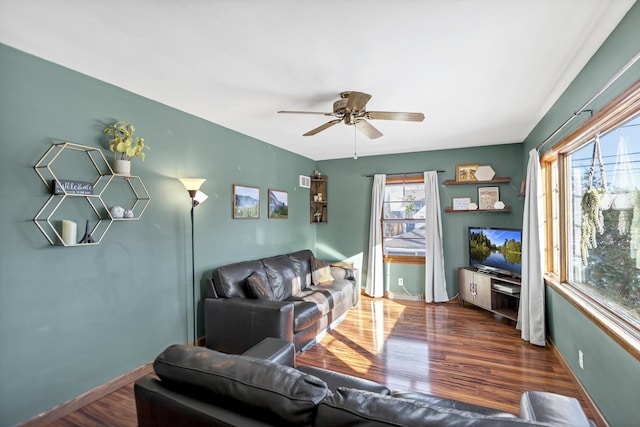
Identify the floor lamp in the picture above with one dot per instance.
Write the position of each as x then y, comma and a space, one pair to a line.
193, 188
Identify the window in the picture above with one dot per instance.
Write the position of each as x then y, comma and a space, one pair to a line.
601, 279
403, 216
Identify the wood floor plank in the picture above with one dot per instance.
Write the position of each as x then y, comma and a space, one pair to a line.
462, 353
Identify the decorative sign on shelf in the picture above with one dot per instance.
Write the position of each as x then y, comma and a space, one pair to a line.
63, 186
461, 203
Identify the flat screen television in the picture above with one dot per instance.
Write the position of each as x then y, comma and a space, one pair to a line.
496, 250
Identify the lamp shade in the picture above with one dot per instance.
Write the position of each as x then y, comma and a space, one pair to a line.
200, 197
192, 184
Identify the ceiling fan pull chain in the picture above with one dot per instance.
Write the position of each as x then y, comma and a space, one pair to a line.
355, 146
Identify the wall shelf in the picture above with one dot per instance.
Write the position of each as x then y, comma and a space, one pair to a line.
500, 180
45, 218
319, 186
451, 210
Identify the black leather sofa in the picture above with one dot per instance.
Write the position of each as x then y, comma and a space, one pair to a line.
297, 307
198, 387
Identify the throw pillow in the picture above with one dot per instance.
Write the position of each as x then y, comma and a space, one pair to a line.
320, 272
258, 288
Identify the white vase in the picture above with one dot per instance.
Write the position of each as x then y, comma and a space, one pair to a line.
122, 167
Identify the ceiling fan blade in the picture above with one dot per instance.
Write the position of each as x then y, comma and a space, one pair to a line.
305, 112
357, 100
323, 127
390, 115
366, 128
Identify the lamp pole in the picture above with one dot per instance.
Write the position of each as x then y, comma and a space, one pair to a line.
193, 268
192, 186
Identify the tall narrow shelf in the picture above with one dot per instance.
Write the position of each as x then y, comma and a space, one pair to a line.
318, 198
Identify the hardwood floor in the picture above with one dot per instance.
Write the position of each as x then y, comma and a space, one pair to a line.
463, 353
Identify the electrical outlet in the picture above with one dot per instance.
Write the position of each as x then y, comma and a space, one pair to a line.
581, 359
401, 282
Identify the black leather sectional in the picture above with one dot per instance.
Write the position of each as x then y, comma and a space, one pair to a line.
198, 387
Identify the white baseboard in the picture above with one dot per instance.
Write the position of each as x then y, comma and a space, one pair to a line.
404, 296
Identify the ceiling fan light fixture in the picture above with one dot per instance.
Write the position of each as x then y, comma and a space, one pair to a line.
351, 109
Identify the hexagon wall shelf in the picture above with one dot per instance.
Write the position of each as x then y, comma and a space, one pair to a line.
45, 218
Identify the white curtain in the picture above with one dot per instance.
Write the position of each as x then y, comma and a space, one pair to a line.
375, 272
435, 282
531, 319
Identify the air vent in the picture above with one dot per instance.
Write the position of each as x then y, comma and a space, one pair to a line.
305, 181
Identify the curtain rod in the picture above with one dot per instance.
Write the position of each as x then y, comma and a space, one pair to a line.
404, 173
584, 107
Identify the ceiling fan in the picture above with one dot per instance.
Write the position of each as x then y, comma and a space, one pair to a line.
350, 109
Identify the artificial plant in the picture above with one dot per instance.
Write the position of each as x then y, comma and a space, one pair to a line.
122, 141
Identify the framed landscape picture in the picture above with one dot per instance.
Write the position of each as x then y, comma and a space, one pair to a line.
467, 172
246, 202
278, 204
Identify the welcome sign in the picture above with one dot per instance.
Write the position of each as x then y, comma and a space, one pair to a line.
61, 186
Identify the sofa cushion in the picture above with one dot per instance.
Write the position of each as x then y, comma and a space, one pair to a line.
258, 287
283, 276
336, 380
302, 263
322, 300
450, 403
356, 407
229, 280
264, 390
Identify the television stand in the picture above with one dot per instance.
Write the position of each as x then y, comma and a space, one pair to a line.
498, 294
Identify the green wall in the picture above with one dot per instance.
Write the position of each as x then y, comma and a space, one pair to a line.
346, 235
73, 318
611, 375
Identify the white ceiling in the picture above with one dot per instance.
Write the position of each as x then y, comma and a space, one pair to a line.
482, 71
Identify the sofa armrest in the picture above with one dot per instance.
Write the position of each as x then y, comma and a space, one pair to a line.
337, 379
234, 325
553, 409
274, 349
342, 273
161, 406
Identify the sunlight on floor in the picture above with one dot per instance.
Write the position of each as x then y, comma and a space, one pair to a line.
404, 369
376, 331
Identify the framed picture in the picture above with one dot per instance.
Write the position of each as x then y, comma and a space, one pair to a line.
246, 202
461, 203
466, 172
278, 204
487, 197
